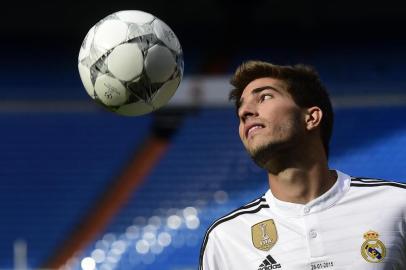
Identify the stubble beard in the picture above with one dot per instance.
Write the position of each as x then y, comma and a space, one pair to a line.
278, 150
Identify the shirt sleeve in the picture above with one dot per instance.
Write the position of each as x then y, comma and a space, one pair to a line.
403, 235
211, 256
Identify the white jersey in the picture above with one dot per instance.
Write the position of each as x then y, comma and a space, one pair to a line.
358, 224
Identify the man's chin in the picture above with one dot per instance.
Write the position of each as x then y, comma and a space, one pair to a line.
261, 155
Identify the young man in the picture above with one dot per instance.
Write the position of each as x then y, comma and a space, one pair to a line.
311, 217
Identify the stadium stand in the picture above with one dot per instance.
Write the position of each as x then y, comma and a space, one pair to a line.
206, 173
54, 167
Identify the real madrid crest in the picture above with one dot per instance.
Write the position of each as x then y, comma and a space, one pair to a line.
264, 235
373, 250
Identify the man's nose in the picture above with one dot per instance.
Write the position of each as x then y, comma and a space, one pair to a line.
247, 110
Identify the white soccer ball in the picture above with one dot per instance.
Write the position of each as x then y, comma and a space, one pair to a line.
131, 62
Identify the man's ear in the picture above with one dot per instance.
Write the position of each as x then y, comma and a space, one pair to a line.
313, 116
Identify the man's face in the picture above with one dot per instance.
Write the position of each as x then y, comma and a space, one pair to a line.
270, 120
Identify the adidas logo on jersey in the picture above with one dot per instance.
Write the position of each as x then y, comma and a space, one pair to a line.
269, 263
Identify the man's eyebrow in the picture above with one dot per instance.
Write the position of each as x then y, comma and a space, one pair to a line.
256, 91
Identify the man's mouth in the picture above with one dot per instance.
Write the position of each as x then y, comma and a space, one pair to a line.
252, 129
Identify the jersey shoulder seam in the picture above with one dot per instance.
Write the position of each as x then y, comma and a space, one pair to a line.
249, 208
375, 182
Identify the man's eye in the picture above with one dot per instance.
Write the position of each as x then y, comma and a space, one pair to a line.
266, 96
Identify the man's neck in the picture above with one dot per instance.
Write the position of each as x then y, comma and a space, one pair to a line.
301, 185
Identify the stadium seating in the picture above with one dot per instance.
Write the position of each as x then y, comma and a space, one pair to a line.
54, 166
206, 174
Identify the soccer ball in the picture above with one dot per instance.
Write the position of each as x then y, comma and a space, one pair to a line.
131, 62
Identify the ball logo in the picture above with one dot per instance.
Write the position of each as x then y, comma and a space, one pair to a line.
264, 235
110, 91
170, 35
108, 95
373, 250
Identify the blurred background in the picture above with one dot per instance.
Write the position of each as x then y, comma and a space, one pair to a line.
82, 188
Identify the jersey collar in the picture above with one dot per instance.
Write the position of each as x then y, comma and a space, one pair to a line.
328, 199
